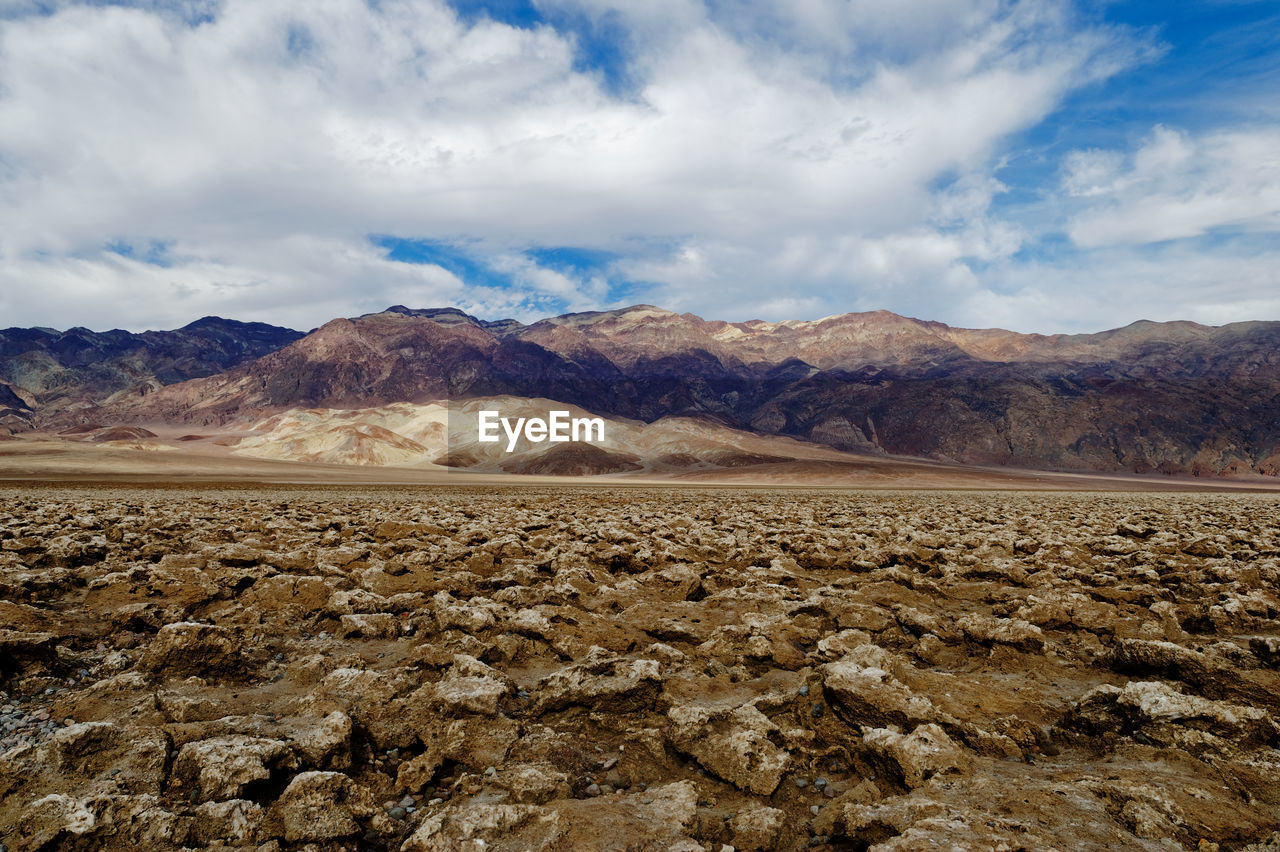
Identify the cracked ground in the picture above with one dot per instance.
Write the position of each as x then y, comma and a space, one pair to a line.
282, 668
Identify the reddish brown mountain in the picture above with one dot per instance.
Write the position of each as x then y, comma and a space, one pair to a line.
51, 373
1150, 397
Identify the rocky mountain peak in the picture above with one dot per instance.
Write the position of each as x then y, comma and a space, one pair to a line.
1149, 397
455, 316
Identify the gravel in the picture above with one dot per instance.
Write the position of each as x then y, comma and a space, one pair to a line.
23, 726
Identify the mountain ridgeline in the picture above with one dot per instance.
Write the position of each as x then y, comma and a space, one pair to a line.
47, 374
1175, 398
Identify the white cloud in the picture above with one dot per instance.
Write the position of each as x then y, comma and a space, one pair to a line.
299, 281
1176, 186
816, 155
1233, 282
578, 293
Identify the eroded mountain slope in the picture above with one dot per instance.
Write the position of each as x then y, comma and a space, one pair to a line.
1151, 397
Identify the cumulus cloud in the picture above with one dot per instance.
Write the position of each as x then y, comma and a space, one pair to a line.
299, 281
778, 159
1177, 185
1174, 281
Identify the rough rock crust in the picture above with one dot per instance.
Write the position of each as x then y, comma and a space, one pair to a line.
300, 670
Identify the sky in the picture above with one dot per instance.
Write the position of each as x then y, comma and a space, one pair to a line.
1043, 166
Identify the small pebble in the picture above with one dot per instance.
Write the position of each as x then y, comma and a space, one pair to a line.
434, 802
490, 771
609, 764
804, 690
406, 802
396, 813
593, 790
814, 809
817, 711
820, 783
801, 783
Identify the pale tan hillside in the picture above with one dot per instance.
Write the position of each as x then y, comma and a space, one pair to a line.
416, 435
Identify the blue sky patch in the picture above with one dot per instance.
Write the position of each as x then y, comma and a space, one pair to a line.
298, 40
1210, 63
570, 260
601, 40
152, 252
453, 256
468, 262
516, 13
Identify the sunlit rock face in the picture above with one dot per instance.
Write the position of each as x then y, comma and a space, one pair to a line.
1174, 398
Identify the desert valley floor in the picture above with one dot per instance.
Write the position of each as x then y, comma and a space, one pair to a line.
465, 668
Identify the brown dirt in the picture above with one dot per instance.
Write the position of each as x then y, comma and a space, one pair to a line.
438, 668
170, 459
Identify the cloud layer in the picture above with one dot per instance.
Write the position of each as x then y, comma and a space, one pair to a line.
783, 160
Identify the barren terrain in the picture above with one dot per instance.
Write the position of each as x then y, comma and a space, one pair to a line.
466, 668
1173, 398
171, 455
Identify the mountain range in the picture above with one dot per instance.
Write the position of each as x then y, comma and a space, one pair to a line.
47, 375
1173, 398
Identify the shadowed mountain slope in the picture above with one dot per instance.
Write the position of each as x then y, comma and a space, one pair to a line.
1150, 397
64, 371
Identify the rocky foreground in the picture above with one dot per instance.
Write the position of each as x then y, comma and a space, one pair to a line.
559, 669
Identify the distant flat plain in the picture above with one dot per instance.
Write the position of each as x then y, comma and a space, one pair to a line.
43, 457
